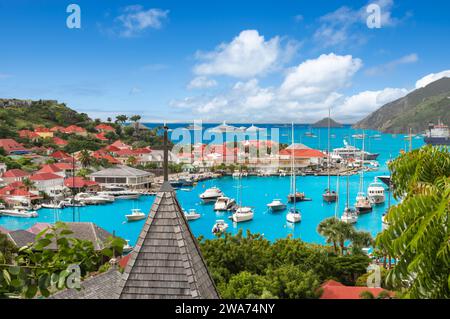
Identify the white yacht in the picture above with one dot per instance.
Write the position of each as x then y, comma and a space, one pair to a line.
236, 174
53, 205
219, 227
127, 248
109, 198
18, 213
120, 192
224, 203
276, 205
242, 214
136, 214
90, 199
294, 216
191, 215
375, 191
70, 202
211, 194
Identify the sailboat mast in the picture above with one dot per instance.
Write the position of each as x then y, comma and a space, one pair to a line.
294, 186
328, 148
361, 181
337, 198
347, 205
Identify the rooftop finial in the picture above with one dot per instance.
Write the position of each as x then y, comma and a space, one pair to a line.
166, 155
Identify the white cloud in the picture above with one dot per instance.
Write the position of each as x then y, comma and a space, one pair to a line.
362, 104
135, 90
431, 78
246, 56
319, 77
382, 69
201, 82
135, 19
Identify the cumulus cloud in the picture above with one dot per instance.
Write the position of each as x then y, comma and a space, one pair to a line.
246, 56
361, 104
431, 78
201, 82
305, 94
382, 69
136, 19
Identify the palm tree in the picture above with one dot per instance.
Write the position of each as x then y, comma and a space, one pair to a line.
361, 239
135, 119
344, 232
109, 120
29, 184
121, 118
85, 158
132, 161
327, 229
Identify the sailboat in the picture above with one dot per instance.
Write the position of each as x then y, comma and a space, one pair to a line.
295, 196
242, 213
329, 195
294, 215
350, 216
363, 204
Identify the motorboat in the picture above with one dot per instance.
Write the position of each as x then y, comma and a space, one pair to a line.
219, 227
120, 192
224, 203
90, 199
53, 205
18, 213
363, 205
181, 182
191, 215
109, 198
70, 202
329, 196
375, 192
127, 248
236, 174
211, 194
242, 214
349, 151
276, 205
136, 214
294, 216
350, 216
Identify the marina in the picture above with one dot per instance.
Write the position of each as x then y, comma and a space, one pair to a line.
259, 192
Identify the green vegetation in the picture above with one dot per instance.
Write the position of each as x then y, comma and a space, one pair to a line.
252, 267
38, 270
418, 233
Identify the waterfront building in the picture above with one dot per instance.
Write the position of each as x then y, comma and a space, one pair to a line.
79, 184
122, 175
48, 183
157, 157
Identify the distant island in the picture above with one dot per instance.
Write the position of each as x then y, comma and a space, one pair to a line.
324, 123
413, 111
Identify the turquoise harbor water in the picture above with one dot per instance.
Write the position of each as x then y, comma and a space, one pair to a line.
257, 192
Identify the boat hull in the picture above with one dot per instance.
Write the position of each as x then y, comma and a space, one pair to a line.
363, 209
277, 208
329, 197
132, 218
293, 218
437, 140
245, 217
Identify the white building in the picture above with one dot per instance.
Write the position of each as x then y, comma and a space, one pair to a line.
48, 183
122, 175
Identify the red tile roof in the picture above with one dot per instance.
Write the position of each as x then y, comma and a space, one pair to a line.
78, 182
101, 136
10, 145
105, 127
74, 129
41, 129
64, 166
61, 155
335, 290
44, 177
120, 145
28, 134
49, 168
15, 173
59, 141
57, 129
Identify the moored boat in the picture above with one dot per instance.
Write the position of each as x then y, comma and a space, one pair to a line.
211, 194
224, 203
242, 214
294, 216
375, 192
18, 213
219, 227
276, 205
136, 214
191, 214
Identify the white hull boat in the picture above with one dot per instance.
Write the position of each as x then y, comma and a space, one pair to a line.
211, 194
219, 227
224, 203
350, 216
276, 205
242, 214
191, 215
18, 213
376, 193
294, 216
53, 205
136, 214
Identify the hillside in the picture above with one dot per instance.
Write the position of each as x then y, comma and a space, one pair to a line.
414, 111
19, 114
324, 123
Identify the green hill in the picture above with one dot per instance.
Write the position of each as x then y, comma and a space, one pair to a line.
25, 114
414, 111
324, 123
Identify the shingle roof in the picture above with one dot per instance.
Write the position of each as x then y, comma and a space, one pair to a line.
166, 261
21, 238
101, 286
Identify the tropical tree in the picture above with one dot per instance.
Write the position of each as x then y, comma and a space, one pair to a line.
418, 234
135, 119
85, 158
132, 161
327, 229
121, 118
28, 183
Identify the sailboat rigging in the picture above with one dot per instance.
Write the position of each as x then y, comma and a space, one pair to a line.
294, 215
329, 195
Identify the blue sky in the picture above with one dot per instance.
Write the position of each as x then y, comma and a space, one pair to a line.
240, 61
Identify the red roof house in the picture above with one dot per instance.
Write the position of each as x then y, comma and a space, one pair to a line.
12, 147
335, 290
29, 135
44, 177
101, 136
57, 129
79, 182
51, 168
105, 128
59, 141
14, 175
121, 145
61, 155
74, 129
